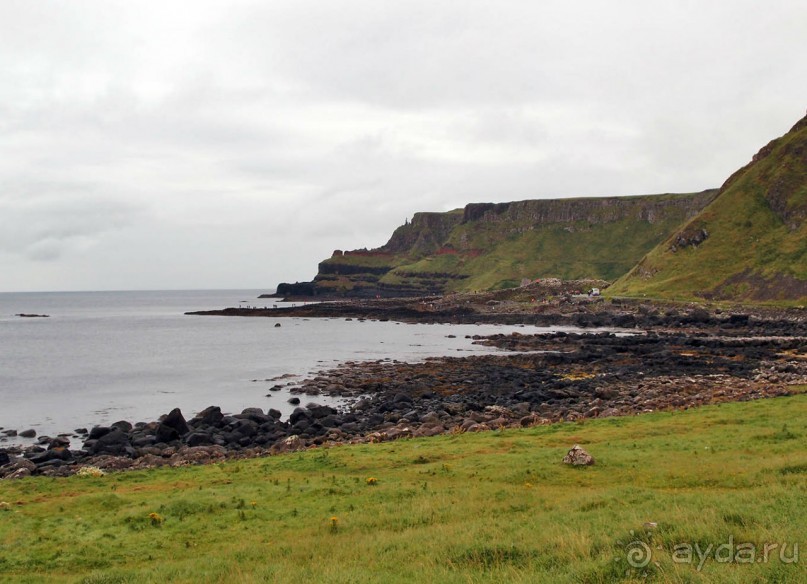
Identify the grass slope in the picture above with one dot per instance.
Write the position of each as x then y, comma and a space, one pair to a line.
756, 249
489, 507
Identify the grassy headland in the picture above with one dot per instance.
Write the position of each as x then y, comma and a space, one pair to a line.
494, 246
749, 244
489, 507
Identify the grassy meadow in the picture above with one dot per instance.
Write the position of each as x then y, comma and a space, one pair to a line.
490, 507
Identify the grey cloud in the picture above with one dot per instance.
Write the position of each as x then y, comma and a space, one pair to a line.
213, 144
44, 222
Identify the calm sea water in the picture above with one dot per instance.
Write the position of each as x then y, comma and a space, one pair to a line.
108, 356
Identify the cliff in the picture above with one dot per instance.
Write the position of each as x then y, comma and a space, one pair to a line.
497, 245
749, 244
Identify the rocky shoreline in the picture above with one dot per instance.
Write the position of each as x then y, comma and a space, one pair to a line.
676, 359
550, 303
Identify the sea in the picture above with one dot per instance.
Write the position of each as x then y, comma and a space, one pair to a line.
100, 357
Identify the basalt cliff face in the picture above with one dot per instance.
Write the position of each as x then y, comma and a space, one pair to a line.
749, 244
498, 245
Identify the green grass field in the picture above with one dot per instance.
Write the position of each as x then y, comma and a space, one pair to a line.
490, 507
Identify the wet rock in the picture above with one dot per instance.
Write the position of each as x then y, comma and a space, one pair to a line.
246, 428
30, 433
59, 442
98, 431
210, 416
123, 426
198, 439
251, 411
176, 420
60, 454
114, 442
298, 414
143, 441
166, 434
317, 411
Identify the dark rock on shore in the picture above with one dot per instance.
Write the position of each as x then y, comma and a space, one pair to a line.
176, 421
550, 308
210, 416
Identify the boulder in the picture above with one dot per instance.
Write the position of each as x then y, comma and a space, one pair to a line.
253, 414
429, 430
166, 433
430, 418
123, 426
298, 414
289, 444
246, 428
140, 441
98, 431
114, 442
19, 473
319, 411
176, 420
578, 457
60, 454
210, 416
58, 442
31, 433
198, 439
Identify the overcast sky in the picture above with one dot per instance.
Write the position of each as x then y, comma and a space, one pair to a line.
234, 144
